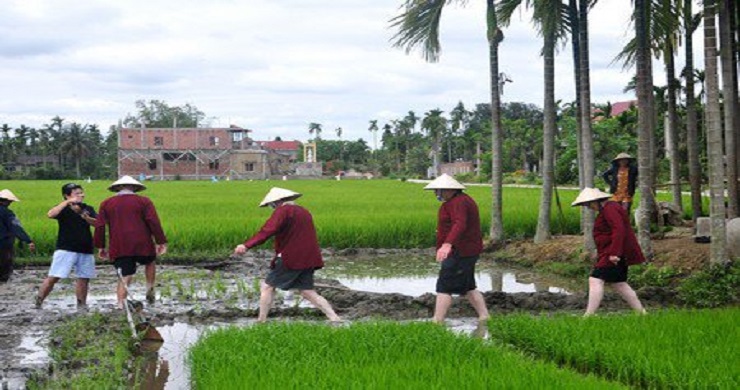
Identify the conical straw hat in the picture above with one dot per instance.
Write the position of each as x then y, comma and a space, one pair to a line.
7, 194
277, 193
127, 181
590, 195
623, 155
444, 182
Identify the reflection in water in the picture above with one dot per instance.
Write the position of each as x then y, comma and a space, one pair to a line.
495, 280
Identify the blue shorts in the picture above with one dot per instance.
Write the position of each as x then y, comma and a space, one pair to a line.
64, 261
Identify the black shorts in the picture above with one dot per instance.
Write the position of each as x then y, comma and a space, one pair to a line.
127, 264
290, 279
457, 275
616, 274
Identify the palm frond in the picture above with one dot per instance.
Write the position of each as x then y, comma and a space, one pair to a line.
418, 26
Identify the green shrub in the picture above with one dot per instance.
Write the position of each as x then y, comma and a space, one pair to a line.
718, 285
650, 275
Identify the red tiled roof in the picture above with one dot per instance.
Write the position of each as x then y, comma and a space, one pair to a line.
281, 145
620, 107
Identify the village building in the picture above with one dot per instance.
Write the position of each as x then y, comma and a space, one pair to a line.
201, 154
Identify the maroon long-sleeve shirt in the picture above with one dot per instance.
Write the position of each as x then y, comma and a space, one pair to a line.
133, 226
458, 224
614, 236
295, 237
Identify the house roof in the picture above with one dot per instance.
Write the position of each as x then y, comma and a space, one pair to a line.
280, 145
620, 107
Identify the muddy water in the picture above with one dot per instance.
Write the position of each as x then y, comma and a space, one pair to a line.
193, 299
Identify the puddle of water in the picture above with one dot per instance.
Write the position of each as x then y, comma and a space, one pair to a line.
417, 276
30, 352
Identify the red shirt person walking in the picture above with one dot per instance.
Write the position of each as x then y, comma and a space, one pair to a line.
616, 248
297, 252
135, 234
459, 242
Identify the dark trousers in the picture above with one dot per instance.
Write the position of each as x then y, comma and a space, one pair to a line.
6, 264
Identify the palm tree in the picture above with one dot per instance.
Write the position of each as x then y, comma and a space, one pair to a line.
646, 124
419, 26
550, 18
730, 102
586, 133
77, 144
714, 136
690, 23
435, 125
315, 128
373, 129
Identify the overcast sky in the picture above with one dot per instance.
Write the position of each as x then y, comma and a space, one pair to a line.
274, 66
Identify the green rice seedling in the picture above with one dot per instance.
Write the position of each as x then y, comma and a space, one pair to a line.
370, 355
693, 349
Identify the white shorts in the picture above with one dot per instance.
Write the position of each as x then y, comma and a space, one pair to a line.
64, 261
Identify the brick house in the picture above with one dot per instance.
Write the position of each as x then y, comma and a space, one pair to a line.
282, 155
191, 153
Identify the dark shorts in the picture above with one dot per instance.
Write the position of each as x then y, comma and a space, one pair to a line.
616, 274
290, 279
127, 264
457, 275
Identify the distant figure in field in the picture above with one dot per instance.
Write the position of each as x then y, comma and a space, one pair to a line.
616, 247
135, 234
10, 229
74, 248
297, 253
622, 180
459, 243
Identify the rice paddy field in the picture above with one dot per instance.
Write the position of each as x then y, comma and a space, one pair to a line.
687, 349
208, 218
370, 355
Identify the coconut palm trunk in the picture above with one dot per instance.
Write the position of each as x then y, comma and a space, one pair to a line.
692, 131
646, 126
718, 253
729, 100
548, 138
494, 38
587, 143
671, 130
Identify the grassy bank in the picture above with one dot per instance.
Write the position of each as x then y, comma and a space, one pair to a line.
211, 218
366, 356
672, 349
88, 352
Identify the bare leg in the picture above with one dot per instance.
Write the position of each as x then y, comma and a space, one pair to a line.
150, 271
267, 293
629, 295
81, 291
479, 304
46, 287
595, 294
121, 291
321, 303
444, 301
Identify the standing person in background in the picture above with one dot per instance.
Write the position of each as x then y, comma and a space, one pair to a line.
459, 243
622, 180
134, 229
10, 229
74, 248
616, 248
297, 252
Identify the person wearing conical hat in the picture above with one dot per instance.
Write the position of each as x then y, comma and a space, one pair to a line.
135, 234
459, 243
10, 229
622, 179
297, 252
616, 248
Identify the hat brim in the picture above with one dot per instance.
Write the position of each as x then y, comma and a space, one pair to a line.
584, 202
117, 187
285, 199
